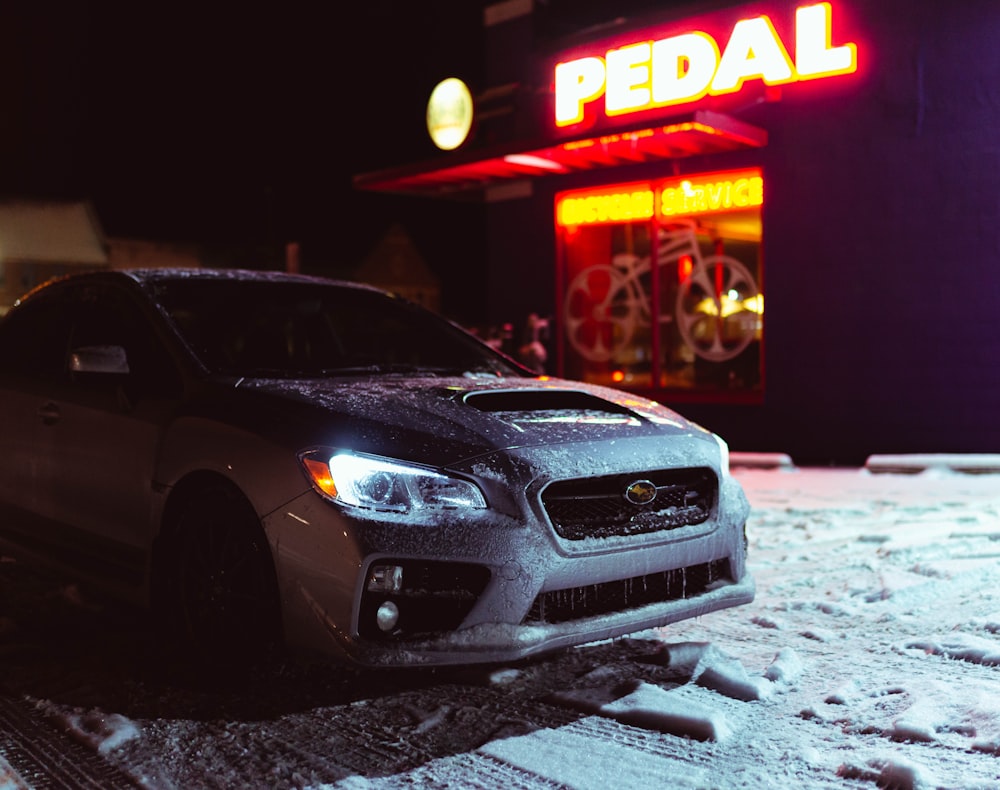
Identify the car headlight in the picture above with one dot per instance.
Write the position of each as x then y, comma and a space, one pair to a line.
723, 455
385, 484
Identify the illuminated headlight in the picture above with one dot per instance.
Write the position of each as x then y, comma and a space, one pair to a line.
385, 484
723, 455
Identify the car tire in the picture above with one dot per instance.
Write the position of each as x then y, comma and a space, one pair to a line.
221, 593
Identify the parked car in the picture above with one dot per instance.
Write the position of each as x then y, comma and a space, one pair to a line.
269, 459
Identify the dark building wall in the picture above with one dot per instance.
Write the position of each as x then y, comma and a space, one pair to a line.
522, 258
881, 245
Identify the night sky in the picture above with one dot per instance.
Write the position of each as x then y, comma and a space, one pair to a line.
237, 127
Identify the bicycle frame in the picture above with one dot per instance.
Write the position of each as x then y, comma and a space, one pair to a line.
706, 312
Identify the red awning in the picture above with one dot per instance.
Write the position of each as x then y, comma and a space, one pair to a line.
699, 132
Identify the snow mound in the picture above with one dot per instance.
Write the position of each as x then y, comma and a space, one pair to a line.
895, 773
673, 711
556, 755
786, 667
934, 463
102, 732
963, 647
649, 707
730, 679
990, 623
653, 708
727, 676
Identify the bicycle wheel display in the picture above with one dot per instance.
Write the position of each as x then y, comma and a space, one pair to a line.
717, 309
600, 312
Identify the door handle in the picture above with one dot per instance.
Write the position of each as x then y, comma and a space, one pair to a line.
49, 413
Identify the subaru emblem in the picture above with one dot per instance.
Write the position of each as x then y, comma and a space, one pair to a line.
640, 492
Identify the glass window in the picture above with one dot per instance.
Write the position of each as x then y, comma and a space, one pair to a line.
694, 321
38, 337
108, 316
34, 341
252, 328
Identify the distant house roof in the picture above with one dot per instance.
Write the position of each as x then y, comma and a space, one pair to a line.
51, 232
395, 263
142, 254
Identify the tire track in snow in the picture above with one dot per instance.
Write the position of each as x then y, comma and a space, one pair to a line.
45, 758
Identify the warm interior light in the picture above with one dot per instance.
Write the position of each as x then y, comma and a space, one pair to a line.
685, 264
729, 305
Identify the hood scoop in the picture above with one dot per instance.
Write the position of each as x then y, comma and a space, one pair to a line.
531, 407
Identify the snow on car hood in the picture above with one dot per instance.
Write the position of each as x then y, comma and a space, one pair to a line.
445, 420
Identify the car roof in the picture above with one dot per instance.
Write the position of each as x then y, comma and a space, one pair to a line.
241, 275
142, 276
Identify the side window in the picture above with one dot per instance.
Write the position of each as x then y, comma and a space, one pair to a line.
34, 340
109, 317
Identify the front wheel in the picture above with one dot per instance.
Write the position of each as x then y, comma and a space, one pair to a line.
221, 590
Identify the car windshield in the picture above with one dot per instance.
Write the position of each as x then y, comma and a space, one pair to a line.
266, 328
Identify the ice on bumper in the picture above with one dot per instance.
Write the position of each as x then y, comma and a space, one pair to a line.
470, 584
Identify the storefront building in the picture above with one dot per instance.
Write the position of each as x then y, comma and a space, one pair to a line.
780, 217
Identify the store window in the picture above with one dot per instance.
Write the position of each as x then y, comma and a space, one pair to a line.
691, 323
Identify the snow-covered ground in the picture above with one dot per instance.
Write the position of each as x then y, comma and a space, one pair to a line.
870, 658
871, 655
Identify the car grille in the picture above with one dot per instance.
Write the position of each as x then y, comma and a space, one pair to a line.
560, 606
597, 507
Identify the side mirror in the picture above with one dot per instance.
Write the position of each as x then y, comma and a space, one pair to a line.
98, 359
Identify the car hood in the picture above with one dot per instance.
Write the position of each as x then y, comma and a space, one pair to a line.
444, 421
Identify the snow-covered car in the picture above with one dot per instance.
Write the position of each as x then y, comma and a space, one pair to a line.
269, 459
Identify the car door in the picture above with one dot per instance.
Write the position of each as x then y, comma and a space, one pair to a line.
34, 341
77, 446
107, 426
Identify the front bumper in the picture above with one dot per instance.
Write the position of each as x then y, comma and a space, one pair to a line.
323, 555
501, 642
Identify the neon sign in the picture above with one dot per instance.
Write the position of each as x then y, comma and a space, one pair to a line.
620, 205
703, 194
703, 197
687, 67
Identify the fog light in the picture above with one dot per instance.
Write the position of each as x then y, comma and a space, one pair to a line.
387, 616
385, 578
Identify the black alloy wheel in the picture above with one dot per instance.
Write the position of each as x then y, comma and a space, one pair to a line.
225, 595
